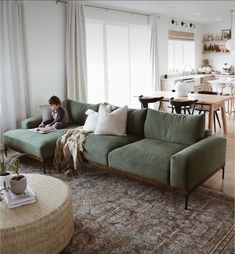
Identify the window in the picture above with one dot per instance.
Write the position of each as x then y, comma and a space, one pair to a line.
118, 62
181, 56
95, 62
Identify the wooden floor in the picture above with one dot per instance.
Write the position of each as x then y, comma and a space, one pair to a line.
216, 182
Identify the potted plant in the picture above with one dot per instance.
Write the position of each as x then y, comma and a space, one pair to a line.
4, 174
17, 183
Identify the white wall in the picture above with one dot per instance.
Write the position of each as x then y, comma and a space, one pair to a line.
163, 45
164, 25
198, 46
45, 50
45, 39
218, 59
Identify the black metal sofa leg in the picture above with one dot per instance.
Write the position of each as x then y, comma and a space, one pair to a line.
5, 150
44, 166
186, 202
223, 172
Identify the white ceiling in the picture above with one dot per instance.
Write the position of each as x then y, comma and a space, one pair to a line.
197, 11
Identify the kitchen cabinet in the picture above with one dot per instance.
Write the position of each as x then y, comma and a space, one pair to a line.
197, 82
198, 88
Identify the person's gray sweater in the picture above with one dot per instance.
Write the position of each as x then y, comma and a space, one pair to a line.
59, 116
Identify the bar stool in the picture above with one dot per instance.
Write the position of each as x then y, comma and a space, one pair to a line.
144, 100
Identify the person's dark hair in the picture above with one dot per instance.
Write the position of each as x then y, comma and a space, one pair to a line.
54, 100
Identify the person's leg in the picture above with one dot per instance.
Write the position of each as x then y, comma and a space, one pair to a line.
58, 125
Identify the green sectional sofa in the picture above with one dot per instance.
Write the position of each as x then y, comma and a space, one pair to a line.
159, 148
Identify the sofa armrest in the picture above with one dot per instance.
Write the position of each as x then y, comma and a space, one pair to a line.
193, 164
208, 133
31, 122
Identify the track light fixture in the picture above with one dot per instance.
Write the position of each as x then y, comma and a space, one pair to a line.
174, 22
184, 24
191, 25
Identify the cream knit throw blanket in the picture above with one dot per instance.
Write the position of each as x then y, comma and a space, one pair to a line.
68, 148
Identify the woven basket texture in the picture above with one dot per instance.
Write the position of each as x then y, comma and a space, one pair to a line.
43, 227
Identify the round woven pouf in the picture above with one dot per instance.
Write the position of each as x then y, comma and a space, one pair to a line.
43, 227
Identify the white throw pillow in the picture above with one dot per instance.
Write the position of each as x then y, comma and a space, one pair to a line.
91, 121
113, 123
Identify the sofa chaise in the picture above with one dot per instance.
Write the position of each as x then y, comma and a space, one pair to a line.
160, 148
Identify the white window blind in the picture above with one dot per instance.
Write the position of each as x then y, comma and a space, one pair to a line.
118, 60
181, 56
179, 35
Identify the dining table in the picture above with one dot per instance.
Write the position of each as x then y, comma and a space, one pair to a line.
212, 101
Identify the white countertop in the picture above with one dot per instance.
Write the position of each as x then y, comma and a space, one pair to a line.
187, 76
220, 81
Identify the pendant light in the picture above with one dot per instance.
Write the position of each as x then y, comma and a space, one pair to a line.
230, 44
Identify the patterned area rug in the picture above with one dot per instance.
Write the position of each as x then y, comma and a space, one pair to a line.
115, 214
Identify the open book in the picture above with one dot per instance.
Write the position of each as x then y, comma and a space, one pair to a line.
13, 200
43, 130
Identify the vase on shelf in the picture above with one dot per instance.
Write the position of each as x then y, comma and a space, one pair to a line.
206, 68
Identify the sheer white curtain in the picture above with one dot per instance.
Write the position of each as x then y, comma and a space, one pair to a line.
14, 99
76, 66
154, 53
118, 62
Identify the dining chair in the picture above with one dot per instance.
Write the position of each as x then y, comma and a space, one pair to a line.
205, 108
184, 108
178, 106
144, 100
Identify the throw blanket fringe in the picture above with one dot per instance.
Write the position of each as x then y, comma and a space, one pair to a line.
68, 148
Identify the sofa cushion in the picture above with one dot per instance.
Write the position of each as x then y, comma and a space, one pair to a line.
135, 122
77, 111
97, 147
182, 129
91, 121
111, 123
36, 144
31, 122
65, 106
149, 158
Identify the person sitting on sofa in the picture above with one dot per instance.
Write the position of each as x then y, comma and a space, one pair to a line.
59, 117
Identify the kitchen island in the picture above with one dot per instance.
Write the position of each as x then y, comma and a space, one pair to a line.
196, 82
